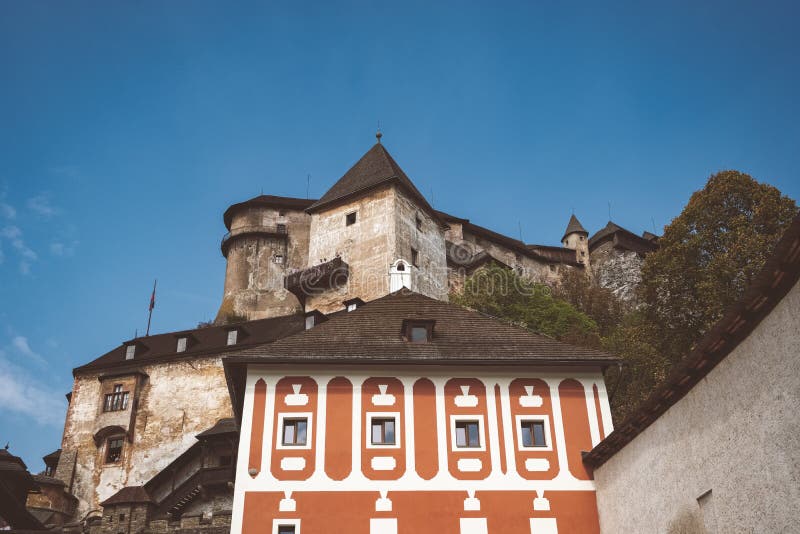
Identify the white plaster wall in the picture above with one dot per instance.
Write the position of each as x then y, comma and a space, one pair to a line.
736, 433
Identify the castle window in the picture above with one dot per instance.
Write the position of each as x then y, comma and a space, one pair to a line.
468, 434
350, 218
294, 432
232, 335
552, 268
583, 253
419, 222
182, 341
281, 228
581, 238
122, 517
114, 450
281, 213
533, 434
383, 431
278, 258
116, 401
414, 257
130, 351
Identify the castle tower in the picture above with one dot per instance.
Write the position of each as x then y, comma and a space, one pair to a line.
267, 239
577, 238
371, 229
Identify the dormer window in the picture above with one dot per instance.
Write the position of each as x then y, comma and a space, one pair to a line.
313, 318
353, 304
232, 336
182, 342
416, 331
350, 218
130, 351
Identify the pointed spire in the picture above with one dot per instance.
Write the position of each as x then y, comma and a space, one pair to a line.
574, 226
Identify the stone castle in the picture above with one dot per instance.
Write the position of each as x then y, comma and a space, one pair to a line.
148, 427
373, 232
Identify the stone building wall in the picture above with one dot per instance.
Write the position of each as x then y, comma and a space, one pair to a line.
724, 458
177, 401
618, 270
257, 264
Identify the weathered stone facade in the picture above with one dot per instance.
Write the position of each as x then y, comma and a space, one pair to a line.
617, 270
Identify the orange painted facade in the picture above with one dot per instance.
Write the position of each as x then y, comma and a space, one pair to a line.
401, 453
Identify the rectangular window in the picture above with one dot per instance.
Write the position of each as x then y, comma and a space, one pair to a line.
467, 434
350, 218
281, 228
294, 431
419, 334
113, 450
309, 322
182, 344
116, 400
286, 529
232, 335
130, 350
278, 258
414, 257
383, 431
533, 434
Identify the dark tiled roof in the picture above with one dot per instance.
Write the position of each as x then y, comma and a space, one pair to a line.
44, 479
557, 254
9, 462
573, 226
202, 341
55, 455
625, 238
267, 201
223, 426
373, 332
375, 168
780, 273
128, 495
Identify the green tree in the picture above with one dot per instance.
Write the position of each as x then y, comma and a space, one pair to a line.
597, 302
707, 256
501, 293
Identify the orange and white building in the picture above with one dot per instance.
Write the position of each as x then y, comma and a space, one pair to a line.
413, 415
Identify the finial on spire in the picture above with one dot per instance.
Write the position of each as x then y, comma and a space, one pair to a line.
378, 135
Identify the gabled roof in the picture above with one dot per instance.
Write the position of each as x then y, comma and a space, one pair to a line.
375, 168
626, 238
779, 275
573, 226
202, 341
129, 495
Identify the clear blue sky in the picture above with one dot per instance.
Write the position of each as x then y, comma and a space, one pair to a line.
126, 129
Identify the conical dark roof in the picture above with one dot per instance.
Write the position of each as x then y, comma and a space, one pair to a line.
375, 168
574, 226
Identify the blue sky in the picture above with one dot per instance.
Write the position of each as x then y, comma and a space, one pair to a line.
126, 129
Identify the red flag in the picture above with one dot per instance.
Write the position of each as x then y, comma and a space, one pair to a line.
153, 298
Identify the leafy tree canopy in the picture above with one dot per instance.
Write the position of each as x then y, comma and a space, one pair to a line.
708, 255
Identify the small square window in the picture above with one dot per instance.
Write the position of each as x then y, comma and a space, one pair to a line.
552, 268
182, 344
278, 258
468, 434
281, 228
350, 218
414, 257
581, 238
232, 335
281, 213
286, 529
419, 334
533, 434
294, 431
383, 431
130, 351
113, 450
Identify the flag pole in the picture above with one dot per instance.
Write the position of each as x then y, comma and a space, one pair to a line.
152, 305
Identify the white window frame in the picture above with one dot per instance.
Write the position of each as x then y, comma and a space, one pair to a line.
285, 523
182, 341
130, 351
309, 430
481, 432
383, 415
235, 334
535, 418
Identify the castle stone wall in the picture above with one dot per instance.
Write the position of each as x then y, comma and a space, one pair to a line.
618, 270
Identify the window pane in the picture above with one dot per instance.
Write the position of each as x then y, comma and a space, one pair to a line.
461, 436
286, 530
301, 432
538, 434
376, 432
474, 440
389, 426
419, 334
527, 439
288, 433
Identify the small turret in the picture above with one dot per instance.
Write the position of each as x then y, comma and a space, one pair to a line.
577, 238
